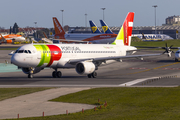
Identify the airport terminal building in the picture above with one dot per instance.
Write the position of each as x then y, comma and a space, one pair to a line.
172, 31
171, 28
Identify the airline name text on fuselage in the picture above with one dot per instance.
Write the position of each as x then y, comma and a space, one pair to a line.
68, 48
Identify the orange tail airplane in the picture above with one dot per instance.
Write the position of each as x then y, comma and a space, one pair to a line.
10, 38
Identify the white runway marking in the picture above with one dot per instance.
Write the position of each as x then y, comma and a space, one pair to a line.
136, 81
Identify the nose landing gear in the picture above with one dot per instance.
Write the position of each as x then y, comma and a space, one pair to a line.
31, 71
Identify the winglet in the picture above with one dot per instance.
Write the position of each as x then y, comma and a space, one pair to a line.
105, 27
59, 31
124, 35
94, 28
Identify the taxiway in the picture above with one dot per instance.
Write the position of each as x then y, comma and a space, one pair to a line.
151, 72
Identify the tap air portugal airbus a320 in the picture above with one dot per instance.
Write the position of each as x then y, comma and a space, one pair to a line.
85, 58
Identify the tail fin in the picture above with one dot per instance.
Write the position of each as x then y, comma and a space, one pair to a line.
105, 27
143, 37
59, 31
2, 37
45, 35
124, 35
94, 28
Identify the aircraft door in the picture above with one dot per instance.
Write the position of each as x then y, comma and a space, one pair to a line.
38, 54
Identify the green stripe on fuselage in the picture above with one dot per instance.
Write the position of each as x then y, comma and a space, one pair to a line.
45, 55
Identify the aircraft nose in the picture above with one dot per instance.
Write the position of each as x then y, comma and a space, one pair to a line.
15, 59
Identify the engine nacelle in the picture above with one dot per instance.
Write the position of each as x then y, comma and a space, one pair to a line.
85, 68
27, 70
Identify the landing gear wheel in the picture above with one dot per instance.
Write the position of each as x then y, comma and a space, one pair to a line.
30, 76
176, 60
94, 74
54, 74
58, 74
89, 75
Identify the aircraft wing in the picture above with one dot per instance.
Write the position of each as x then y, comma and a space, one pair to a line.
75, 41
103, 59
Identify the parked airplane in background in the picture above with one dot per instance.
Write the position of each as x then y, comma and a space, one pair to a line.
85, 58
92, 38
94, 28
10, 38
153, 37
105, 27
168, 51
144, 37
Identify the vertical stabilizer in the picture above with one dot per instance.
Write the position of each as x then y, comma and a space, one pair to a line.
94, 28
105, 27
124, 35
59, 31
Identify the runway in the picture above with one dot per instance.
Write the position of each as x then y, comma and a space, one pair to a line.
155, 71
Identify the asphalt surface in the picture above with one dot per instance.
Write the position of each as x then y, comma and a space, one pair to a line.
112, 75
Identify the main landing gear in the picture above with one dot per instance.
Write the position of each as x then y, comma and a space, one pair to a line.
56, 74
93, 75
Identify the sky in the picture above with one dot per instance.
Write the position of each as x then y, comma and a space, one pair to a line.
26, 12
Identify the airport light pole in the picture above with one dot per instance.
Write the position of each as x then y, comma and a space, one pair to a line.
35, 29
155, 15
62, 16
86, 19
103, 12
35, 24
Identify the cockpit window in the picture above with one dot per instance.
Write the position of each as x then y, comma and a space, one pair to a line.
23, 51
29, 51
20, 51
178, 52
16, 51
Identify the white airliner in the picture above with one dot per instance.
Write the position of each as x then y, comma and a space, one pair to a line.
153, 37
85, 58
10, 38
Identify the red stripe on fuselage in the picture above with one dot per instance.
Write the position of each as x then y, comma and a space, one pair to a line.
55, 53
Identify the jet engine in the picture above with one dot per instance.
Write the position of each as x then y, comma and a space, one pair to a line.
27, 70
85, 68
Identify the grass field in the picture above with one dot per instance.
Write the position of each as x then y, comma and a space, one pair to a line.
175, 43
124, 104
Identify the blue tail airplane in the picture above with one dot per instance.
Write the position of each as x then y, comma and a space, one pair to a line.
94, 28
105, 27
